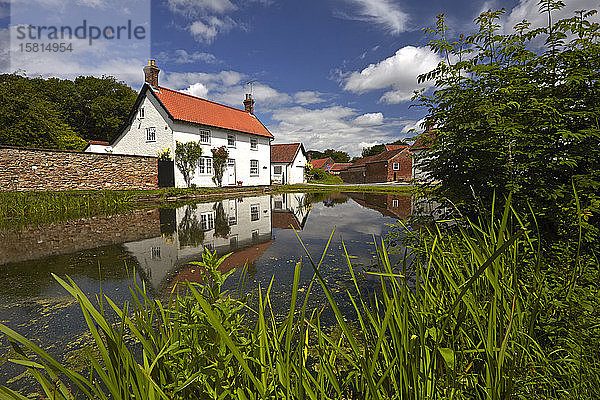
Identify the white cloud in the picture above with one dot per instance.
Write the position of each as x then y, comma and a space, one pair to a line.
385, 13
369, 119
399, 73
308, 97
228, 87
194, 8
197, 89
330, 127
183, 57
208, 30
413, 126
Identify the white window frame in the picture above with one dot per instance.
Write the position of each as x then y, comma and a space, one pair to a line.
253, 144
207, 221
256, 207
275, 169
205, 136
252, 168
142, 113
396, 166
205, 166
255, 235
151, 135
395, 203
230, 139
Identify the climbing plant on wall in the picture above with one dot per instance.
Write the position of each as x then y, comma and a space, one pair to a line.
220, 156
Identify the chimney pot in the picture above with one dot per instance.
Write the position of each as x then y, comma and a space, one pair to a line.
151, 72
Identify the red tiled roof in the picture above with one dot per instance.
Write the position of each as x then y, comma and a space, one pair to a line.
389, 147
340, 166
284, 153
320, 163
188, 108
424, 141
385, 156
284, 220
237, 259
99, 142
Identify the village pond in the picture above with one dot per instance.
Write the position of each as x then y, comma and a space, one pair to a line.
154, 247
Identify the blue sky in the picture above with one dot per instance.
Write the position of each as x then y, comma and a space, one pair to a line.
331, 73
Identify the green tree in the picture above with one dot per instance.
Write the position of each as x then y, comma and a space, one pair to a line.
54, 112
511, 119
373, 150
29, 120
187, 156
337, 156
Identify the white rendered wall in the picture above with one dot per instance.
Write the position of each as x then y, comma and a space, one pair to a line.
296, 169
241, 153
133, 141
294, 172
98, 148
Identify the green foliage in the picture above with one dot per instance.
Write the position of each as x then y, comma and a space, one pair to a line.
220, 156
514, 120
187, 156
337, 156
222, 227
373, 150
189, 231
471, 319
32, 121
378, 148
61, 114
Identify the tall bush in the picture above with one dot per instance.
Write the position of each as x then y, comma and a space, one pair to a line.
187, 156
220, 156
517, 112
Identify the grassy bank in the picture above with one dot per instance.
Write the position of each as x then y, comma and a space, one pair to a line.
471, 318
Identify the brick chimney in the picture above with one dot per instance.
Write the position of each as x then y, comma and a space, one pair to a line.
151, 72
249, 104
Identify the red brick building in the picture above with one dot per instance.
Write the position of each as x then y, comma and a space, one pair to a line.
389, 166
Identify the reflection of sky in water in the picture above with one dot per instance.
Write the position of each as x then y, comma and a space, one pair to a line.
148, 242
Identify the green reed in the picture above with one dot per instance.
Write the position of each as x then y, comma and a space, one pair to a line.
460, 321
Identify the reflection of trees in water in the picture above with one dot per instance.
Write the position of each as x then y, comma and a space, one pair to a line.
189, 230
222, 228
329, 199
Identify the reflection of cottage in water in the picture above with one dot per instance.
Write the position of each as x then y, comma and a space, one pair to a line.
290, 210
242, 226
389, 205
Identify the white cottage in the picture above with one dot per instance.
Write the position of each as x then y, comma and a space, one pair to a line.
161, 117
287, 163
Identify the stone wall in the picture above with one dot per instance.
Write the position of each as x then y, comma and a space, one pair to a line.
39, 170
35, 242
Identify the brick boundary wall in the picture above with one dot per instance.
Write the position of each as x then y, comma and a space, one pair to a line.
26, 170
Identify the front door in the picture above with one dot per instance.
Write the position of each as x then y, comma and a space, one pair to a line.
231, 171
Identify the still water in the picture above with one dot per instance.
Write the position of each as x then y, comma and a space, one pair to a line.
155, 246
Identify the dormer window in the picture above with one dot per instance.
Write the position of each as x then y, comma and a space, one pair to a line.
205, 136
